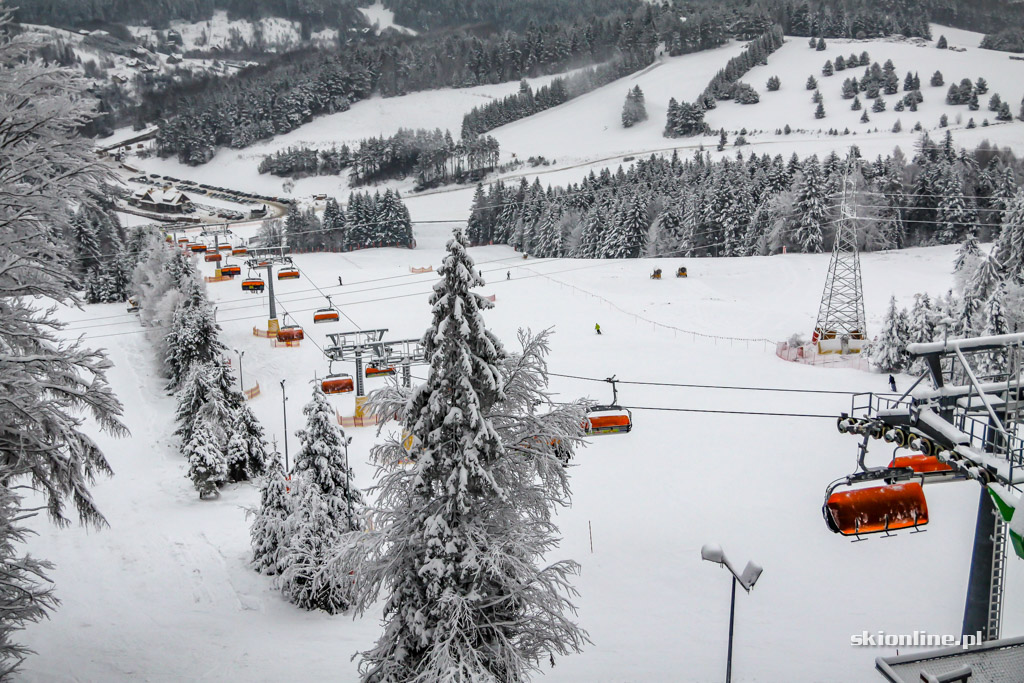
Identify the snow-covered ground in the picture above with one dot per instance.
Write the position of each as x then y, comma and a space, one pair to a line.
383, 18
165, 593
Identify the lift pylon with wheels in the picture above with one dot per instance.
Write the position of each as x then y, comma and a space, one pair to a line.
962, 427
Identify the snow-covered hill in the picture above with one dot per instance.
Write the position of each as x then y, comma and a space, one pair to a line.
165, 593
585, 134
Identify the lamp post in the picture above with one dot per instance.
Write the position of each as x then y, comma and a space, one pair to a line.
747, 579
284, 409
241, 384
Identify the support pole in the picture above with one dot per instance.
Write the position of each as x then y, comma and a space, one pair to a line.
284, 409
979, 582
359, 371
406, 373
732, 615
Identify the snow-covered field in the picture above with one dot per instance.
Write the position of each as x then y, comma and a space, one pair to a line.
165, 593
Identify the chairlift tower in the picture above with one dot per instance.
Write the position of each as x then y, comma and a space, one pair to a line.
841, 326
265, 259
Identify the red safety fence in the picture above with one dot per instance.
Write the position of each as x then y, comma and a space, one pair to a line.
219, 278
252, 393
367, 421
258, 332
428, 269
278, 343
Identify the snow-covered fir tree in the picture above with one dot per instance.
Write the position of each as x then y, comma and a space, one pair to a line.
994, 363
812, 208
889, 351
323, 460
313, 539
634, 110
628, 235
45, 168
921, 326
194, 336
968, 252
269, 532
207, 466
462, 530
247, 446
1009, 249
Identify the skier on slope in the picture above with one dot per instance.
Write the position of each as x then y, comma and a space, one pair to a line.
339, 281
892, 383
597, 328
508, 275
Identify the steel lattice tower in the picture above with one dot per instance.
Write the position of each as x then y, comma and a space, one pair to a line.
841, 325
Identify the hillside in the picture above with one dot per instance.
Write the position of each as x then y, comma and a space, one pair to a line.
173, 569
585, 133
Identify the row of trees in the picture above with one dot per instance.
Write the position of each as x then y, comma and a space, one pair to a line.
431, 155
377, 220
527, 102
686, 119
755, 205
302, 162
219, 435
989, 300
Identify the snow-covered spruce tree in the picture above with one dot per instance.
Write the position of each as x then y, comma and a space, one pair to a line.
634, 109
194, 334
994, 363
627, 237
461, 532
192, 398
889, 351
269, 532
47, 384
312, 540
207, 466
323, 460
247, 446
921, 327
968, 251
1009, 249
812, 207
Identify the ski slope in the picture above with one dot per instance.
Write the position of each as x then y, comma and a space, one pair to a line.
165, 593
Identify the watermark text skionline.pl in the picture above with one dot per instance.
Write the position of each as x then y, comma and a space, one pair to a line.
915, 639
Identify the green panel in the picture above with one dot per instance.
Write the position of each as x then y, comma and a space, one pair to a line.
1018, 544
1005, 508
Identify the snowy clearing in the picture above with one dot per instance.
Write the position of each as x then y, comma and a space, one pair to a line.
172, 569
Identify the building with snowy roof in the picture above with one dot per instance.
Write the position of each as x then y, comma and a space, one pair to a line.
161, 200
